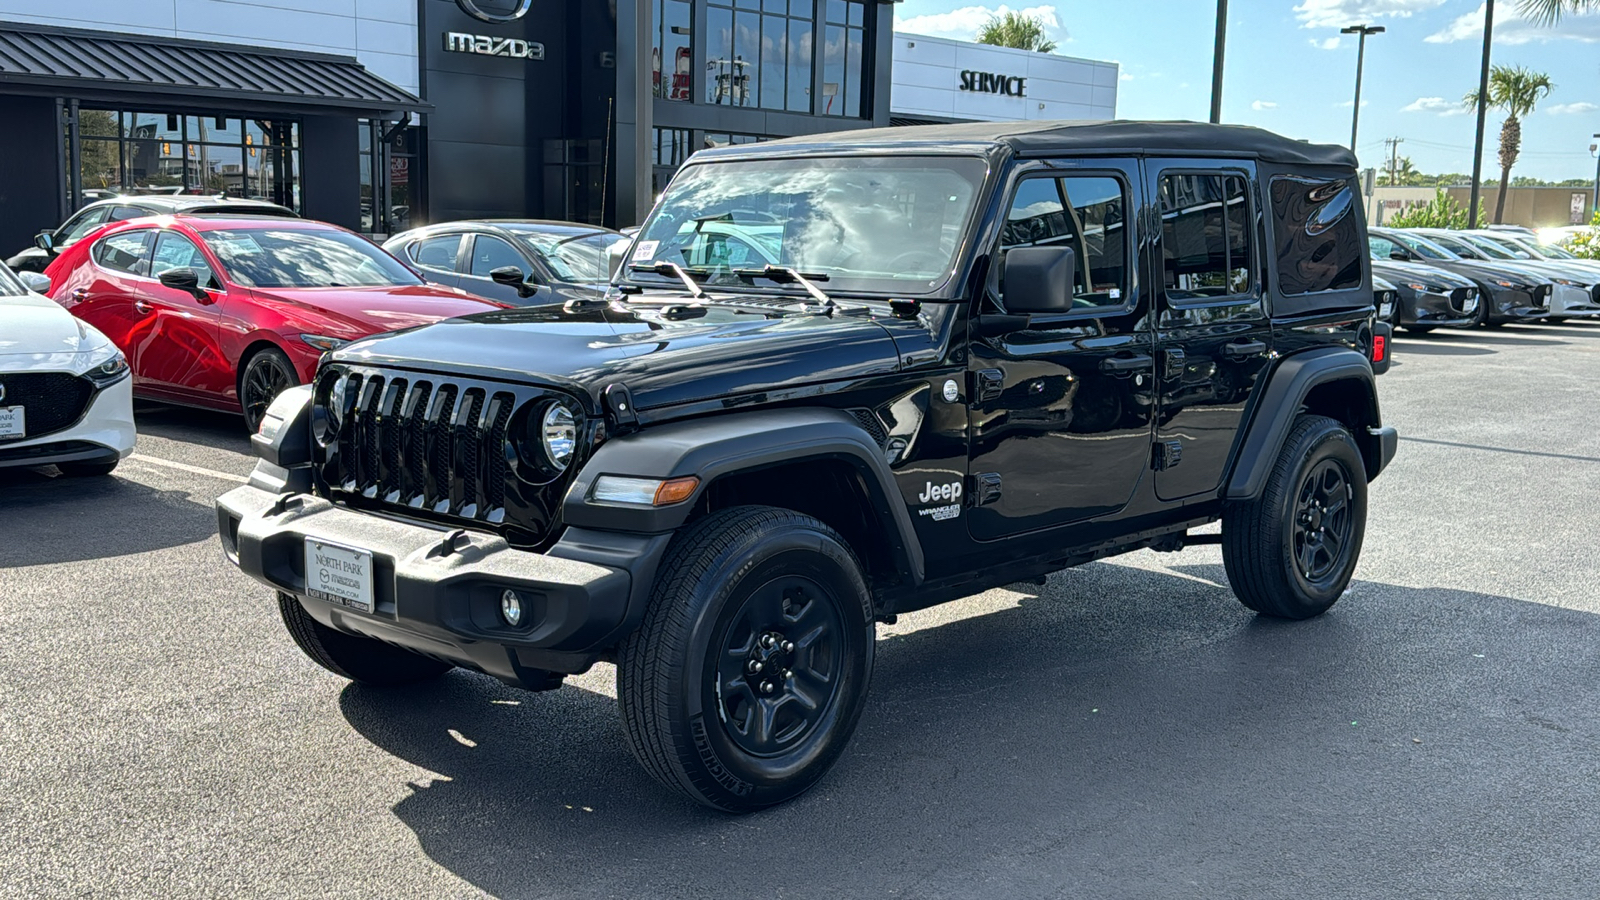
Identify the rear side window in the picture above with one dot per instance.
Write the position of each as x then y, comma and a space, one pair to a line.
1206, 248
490, 253
438, 253
1318, 241
127, 252
124, 213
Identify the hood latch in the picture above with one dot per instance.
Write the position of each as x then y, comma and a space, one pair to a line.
620, 414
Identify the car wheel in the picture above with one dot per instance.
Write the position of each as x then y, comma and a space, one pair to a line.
745, 680
1484, 305
266, 374
1292, 551
351, 656
1418, 329
87, 469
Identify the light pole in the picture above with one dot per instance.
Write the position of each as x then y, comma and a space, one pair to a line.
1361, 53
1218, 51
1483, 112
1594, 202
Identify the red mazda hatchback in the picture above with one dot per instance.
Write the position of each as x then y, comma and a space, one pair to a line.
226, 312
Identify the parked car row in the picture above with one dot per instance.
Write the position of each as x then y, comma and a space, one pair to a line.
1459, 279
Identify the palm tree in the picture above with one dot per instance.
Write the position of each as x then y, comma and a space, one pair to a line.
1548, 12
1017, 31
1515, 90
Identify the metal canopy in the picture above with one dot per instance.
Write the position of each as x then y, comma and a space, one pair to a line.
99, 65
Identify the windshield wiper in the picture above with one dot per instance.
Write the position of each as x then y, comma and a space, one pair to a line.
787, 275
667, 268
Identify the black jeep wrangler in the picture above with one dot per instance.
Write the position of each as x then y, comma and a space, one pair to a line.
839, 378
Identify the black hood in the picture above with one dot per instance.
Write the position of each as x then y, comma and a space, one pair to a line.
731, 349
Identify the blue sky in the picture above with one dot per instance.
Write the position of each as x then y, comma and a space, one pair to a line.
1288, 69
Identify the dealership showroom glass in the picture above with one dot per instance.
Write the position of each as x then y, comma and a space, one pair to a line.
397, 113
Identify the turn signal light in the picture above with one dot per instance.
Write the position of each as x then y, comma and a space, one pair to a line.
1380, 346
676, 490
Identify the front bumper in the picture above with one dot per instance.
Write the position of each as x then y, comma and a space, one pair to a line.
104, 433
1432, 309
1572, 301
436, 590
1511, 305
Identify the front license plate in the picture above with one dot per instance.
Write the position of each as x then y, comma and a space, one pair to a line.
339, 574
12, 423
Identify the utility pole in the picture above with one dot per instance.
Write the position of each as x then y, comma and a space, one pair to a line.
1361, 53
1393, 146
1483, 111
1594, 202
1217, 54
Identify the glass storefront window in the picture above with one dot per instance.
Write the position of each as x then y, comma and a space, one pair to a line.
672, 59
759, 53
844, 59
124, 151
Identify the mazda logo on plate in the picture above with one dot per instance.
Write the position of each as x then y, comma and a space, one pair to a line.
472, 8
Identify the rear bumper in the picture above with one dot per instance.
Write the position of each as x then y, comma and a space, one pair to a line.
1383, 441
436, 591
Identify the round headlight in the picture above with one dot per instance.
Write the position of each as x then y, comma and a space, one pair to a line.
559, 432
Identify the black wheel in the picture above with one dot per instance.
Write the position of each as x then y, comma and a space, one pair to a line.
1291, 551
1418, 329
266, 374
356, 658
87, 469
745, 680
1485, 303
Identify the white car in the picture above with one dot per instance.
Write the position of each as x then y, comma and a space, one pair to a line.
66, 394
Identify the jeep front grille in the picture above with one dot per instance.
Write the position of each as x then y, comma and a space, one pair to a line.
432, 447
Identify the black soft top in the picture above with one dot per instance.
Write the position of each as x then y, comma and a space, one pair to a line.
1070, 137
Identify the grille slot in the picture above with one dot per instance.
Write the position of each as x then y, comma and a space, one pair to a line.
870, 423
1460, 296
52, 400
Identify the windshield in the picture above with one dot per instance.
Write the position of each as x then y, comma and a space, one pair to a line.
1493, 248
581, 258
887, 224
1421, 247
1551, 251
303, 258
1454, 245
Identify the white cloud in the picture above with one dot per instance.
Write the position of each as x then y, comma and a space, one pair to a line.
1570, 109
1259, 105
1339, 13
1437, 105
1509, 28
1349, 103
1125, 76
964, 23
1326, 43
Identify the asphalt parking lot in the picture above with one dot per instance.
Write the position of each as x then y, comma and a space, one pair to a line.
1128, 730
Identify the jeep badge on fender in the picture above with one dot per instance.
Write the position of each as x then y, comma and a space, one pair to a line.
819, 425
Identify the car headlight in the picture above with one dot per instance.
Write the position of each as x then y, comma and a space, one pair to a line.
107, 366
1514, 285
323, 342
558, 432
1570, 283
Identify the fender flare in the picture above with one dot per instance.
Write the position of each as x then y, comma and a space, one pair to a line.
1280, 398
740, 442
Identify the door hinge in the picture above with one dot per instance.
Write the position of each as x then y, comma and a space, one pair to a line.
988, 384
1173, 364
1166, 455
986, 488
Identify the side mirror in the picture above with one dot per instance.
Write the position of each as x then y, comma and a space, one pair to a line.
511, 276
182, 279
45, 241
36, 282
1039, 279
1400, 253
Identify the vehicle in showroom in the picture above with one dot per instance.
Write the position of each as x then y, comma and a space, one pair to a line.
1570, 286
1425, 297
1577, 281
722, 476
224, 312
66, 397
520, 263
1506, 292
50, 244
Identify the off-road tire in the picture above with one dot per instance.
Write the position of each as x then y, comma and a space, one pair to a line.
678, 684
263, 376
87, 469
356, 658
1263, 541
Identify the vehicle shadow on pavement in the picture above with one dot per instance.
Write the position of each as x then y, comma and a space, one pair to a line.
50, 518
1122, 732
191, 425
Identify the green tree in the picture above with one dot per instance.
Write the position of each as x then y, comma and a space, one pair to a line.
1587, 243
1548, 12
1515, 91
1017, 31
1440, 212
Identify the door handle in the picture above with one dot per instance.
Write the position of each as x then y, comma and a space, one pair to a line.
142, 306
1123, 366
1244, 350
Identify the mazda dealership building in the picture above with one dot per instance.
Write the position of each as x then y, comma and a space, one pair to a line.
383, 114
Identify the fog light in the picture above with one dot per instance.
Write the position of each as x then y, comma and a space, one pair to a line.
511, 608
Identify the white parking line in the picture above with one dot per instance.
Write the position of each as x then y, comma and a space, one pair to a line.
185, 467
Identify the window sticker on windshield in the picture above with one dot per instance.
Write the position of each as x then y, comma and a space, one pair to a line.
239, 246
645, 251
